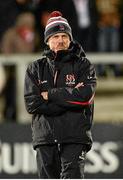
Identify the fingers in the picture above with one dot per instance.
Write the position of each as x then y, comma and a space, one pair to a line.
45, 95
79, 85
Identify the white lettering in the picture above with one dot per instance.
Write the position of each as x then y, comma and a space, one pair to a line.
20, 158
17, 158
8, 166
110, 158
95, 160
28, 161
103, 158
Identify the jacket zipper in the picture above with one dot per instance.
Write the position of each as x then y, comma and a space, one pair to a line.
55, 77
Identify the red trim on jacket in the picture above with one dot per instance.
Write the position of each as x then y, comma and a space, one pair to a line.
83, 103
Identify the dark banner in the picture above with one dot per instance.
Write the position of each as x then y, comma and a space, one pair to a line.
17, 158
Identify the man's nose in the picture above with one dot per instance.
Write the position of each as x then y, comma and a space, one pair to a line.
60, 39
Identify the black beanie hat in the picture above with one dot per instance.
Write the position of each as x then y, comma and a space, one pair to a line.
57, 24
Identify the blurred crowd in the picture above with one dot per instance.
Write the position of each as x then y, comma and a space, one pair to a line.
96, 24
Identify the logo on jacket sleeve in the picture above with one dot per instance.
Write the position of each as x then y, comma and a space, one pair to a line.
41, 82
70, 79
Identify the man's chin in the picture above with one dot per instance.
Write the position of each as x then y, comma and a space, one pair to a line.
60, 49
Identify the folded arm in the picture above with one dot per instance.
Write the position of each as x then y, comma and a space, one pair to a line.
81, 95
34, 101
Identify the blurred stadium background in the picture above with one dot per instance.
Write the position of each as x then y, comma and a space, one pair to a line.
17, 158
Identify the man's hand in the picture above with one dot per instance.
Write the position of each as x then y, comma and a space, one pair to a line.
45, 95
79, 85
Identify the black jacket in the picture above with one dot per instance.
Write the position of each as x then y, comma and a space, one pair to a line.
68, 114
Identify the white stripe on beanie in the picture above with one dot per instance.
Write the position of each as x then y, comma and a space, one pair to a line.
55, 22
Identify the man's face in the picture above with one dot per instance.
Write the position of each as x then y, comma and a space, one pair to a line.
59, 41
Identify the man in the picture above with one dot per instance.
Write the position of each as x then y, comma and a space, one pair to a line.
59, 93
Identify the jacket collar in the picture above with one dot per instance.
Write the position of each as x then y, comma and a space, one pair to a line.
58, 60
75, 50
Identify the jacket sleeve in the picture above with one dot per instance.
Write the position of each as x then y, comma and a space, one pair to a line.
34, 102
77, 97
